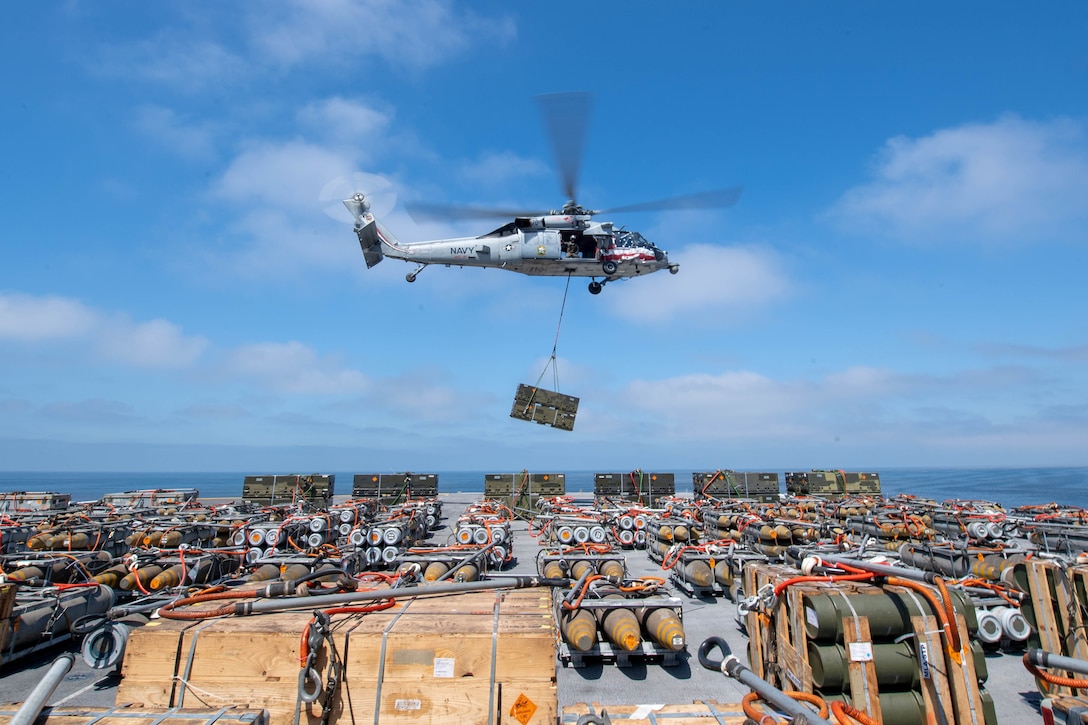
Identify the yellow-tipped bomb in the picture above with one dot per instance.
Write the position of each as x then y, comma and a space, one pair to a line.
26, 573
143, 576
294, 571
170, 539
680, 533
110, 577
167, 579
579, 568
435, 571
665, 628
698, 573
579, 629
263, 573
723, 573
40, 542
620, 626
74, 541
612, 569
467, 573
553, 570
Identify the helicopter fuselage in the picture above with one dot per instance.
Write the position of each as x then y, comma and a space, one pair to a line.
552, 245
542, 246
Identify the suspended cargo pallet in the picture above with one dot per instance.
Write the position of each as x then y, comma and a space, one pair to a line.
544, 407
137, 714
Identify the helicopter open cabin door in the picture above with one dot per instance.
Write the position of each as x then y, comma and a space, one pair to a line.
545, 407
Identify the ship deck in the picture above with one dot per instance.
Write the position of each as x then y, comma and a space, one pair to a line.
1013, 689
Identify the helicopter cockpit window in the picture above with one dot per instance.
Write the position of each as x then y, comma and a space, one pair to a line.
631, 239
505, 229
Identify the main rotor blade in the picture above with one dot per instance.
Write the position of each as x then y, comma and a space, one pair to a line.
706, 200
566, 116
422, 210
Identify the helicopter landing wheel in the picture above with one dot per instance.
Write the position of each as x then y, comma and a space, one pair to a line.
595, 287
411, 276
610, 267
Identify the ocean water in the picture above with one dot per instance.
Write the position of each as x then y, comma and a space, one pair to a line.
1007, 486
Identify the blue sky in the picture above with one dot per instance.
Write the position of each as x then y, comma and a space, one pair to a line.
901, 283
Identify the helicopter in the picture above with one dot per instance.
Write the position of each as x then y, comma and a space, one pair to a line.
557, 242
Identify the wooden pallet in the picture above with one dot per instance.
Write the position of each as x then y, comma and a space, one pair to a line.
701, 712
130, 714
485, 657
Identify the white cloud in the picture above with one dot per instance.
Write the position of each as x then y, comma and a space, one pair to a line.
295, 368
286, 176
1012, 180
406, 34
23, 317
153, 344
345, 119
714, 283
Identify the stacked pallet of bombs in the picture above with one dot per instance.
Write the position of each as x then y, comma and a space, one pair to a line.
628, 527
625, 522
771, 537
85, 536
890, 529
664, 532
725, 522
605, 617
486, 531
1054, 529
390, 534
586, 527
708, 569
575, 563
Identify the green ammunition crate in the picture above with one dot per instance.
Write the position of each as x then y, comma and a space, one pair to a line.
394, 487
511, 484
726, 483
316, 488
833, 483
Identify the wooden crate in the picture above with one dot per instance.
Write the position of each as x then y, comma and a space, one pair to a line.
130, 714
430, 659
1056, 612
700, 712
778, 647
